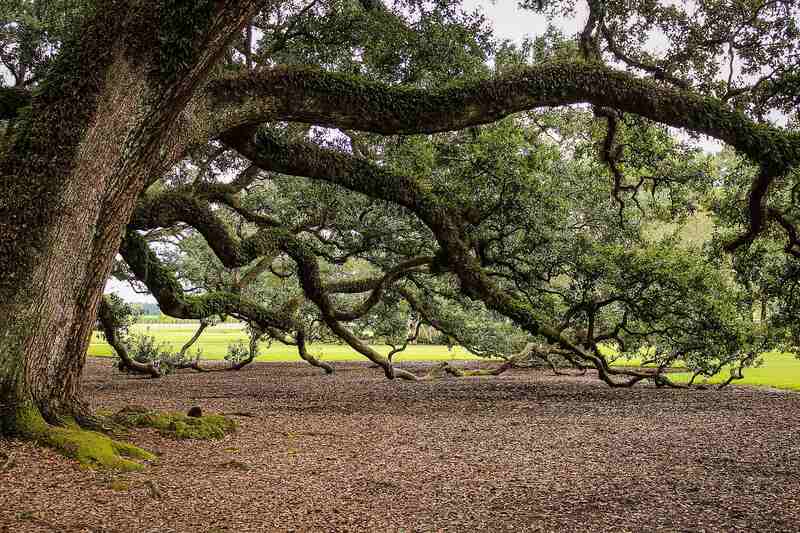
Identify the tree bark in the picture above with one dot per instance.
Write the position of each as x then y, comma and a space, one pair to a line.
110, 115
63, 208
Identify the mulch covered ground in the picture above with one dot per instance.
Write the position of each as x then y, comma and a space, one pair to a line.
525, 451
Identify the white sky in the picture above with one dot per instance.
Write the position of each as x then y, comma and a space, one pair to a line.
512, 22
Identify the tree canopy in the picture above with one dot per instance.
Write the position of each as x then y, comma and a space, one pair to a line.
552, 211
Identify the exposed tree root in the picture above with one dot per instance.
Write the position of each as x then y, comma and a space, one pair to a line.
90, 448
195, 365
446, 369
399, 373
462, 373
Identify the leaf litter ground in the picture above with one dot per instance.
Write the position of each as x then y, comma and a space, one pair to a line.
525, 451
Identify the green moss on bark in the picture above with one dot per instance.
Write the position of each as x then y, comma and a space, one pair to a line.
312, 95
89, 448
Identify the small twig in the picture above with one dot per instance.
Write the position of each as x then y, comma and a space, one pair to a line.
153, 490
7, 461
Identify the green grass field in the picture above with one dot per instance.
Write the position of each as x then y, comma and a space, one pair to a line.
779, 370
214, 345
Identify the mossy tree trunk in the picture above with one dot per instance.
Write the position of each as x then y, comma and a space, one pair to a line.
110, 115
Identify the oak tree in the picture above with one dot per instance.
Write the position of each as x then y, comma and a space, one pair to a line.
98, 121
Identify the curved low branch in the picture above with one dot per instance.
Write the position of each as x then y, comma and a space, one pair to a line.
200, 329
307, 357
110, 326
173, 301
309, 95
311, 282
251, 355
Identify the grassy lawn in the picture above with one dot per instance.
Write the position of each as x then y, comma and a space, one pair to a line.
779, 370
214, 345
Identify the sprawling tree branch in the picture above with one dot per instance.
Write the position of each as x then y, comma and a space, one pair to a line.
234, 106
335, 100
308, 159
169, 208
170, 296
110, 326
446, 223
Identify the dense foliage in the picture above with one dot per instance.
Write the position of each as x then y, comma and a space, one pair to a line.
553, 234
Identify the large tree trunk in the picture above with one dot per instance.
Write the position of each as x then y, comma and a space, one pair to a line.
55, 180
104, 122
58, 267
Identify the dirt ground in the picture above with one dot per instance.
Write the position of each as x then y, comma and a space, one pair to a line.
526, 451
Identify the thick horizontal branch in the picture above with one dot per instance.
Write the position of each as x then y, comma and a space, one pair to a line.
313, 96
310, 160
